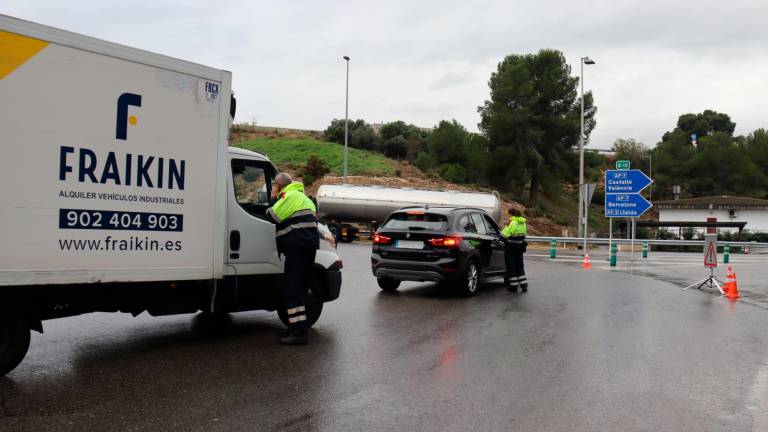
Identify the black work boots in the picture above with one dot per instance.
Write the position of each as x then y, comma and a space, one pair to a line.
294, 339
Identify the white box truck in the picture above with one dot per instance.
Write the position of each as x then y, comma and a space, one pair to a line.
118, 191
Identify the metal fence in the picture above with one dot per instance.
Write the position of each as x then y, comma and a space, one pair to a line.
605, 241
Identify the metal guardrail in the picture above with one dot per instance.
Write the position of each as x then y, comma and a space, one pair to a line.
605, 241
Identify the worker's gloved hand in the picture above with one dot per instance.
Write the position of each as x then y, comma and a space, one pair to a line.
329, 238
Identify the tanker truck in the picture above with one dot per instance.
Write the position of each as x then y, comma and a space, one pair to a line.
346, 207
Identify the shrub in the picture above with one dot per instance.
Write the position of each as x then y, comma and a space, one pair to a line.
665, 234
453, 173
314, 169
423, 162
688, 233
307, 179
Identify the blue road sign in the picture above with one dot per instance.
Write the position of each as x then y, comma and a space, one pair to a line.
629, 205
626, 181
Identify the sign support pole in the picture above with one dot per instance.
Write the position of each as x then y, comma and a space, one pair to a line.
633, 240
586, 221
610, 237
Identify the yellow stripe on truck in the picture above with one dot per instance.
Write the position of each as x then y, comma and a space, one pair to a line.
15, 50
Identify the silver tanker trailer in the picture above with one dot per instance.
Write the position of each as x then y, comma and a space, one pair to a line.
344, 207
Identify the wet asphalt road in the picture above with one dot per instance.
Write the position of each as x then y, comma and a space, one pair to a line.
582, 351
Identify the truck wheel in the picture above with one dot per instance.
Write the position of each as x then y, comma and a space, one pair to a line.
471, 281
312, 303
388, 284
14, 340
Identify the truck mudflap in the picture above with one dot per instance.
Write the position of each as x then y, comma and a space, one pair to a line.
330, 285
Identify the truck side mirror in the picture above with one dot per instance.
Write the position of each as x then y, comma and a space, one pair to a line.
232, 106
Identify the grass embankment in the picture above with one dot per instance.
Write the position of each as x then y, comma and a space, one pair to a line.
293, 154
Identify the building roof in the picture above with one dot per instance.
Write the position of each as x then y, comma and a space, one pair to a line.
721, 202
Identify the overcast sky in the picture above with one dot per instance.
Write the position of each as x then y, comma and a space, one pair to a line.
423, 61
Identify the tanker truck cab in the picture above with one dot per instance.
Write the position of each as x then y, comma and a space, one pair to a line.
120, 192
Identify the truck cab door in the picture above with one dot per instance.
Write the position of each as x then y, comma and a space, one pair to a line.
251, 247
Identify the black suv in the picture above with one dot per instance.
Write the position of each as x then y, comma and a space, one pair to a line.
454, 246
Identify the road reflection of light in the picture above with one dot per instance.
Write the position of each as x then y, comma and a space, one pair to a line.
730, 304
447, 358
446, 335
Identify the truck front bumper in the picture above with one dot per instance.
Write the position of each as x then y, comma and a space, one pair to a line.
331, 285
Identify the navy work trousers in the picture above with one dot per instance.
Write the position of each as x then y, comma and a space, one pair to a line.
296, 274
513, 258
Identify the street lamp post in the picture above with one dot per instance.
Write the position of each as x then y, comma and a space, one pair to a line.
346, 123
584, 60
650, 174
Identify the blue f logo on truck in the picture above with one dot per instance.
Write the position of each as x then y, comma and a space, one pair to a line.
123, 102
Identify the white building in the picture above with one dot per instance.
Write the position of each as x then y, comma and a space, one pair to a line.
724, 208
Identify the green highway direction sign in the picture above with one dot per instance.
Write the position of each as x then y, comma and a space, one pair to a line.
622, 165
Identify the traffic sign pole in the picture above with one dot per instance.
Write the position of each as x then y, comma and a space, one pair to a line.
611, 245
586, 222
633, 241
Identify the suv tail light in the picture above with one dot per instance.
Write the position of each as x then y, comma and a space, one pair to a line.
379, 239
446, 242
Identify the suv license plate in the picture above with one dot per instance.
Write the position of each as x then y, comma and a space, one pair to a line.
409, 244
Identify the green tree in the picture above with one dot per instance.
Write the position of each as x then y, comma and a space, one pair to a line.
672, 163
720, 164
756, 148
630, 149
414, 137
532, 118
448, 143
363, 137
396, 147
706, 123
361, 134
395, 128
478, 158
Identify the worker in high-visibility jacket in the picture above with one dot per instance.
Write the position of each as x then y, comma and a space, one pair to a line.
514, 234
298, 240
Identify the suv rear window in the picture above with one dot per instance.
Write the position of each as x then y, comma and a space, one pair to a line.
417, 222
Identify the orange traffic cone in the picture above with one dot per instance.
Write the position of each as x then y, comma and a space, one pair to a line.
728, 281
733, 292
587, 264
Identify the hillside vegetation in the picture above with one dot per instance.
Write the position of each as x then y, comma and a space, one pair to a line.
290, 149
293, 153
